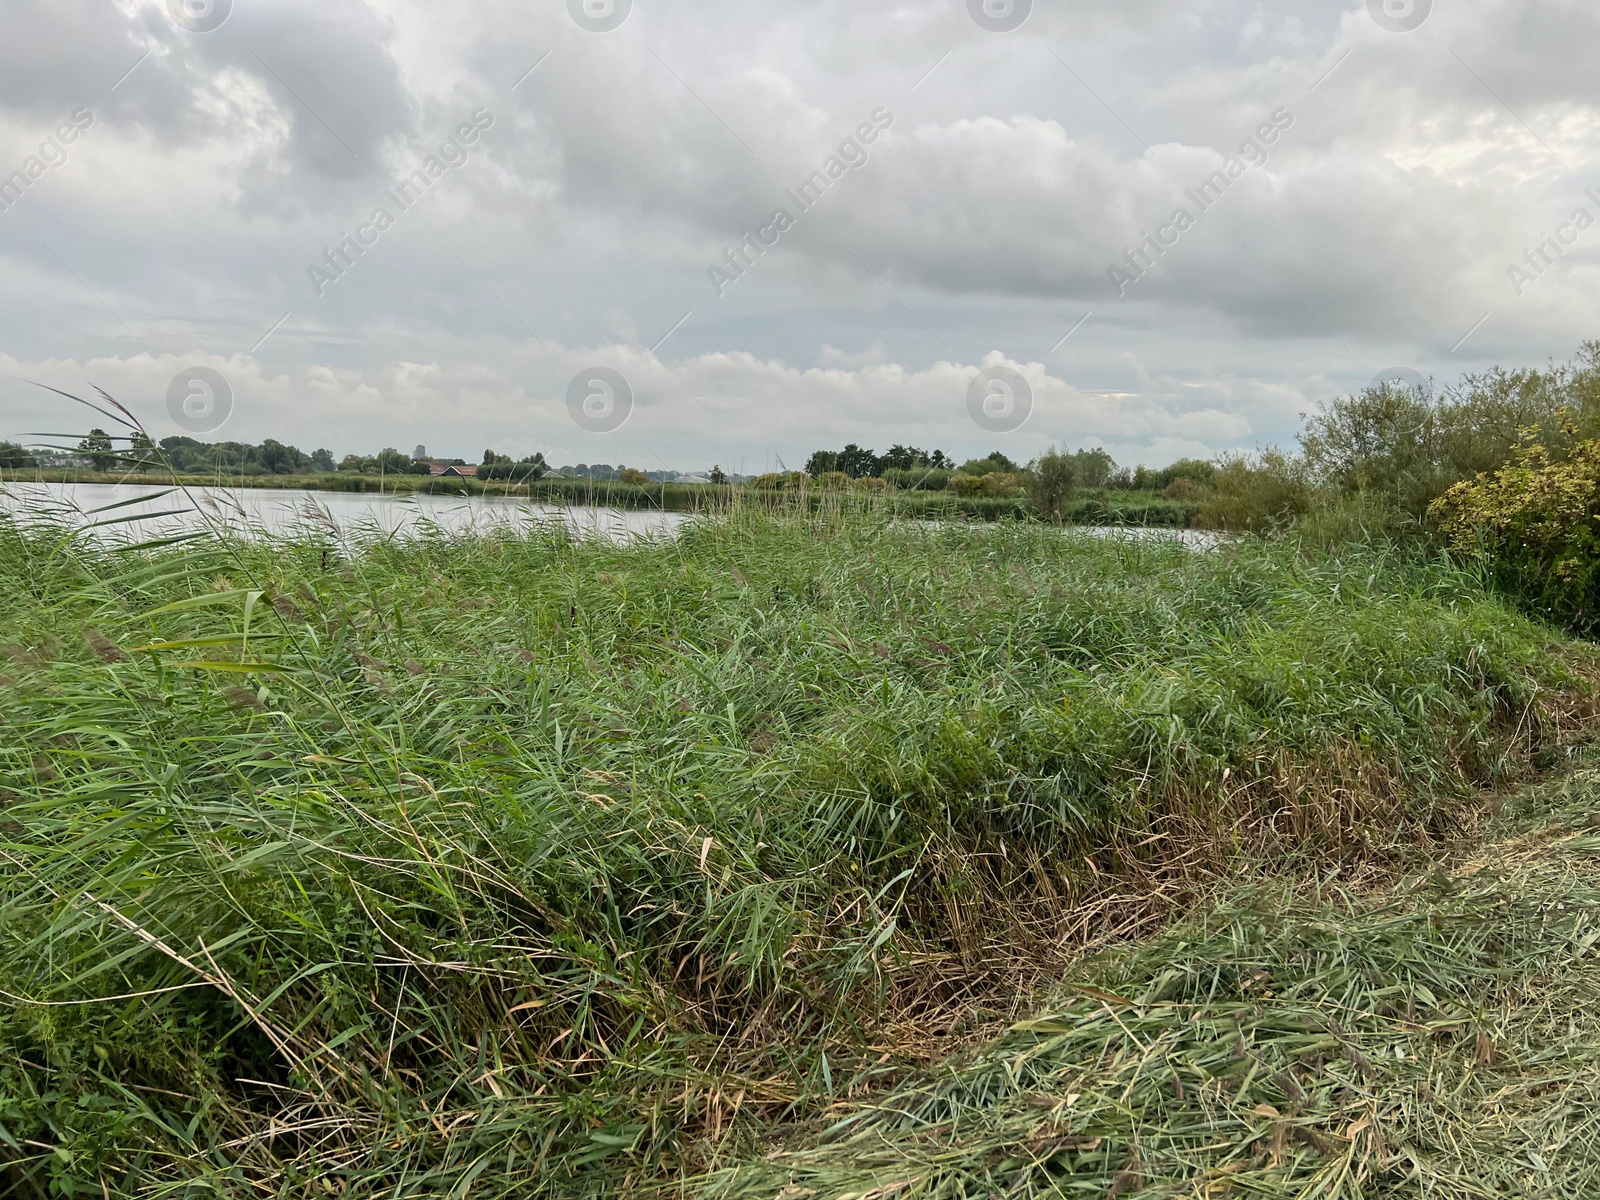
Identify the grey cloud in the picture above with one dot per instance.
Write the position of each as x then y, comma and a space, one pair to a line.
1015, 174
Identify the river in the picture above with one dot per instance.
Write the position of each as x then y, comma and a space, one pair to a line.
141, 512
157, 511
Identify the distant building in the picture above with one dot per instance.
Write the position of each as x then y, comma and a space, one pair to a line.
420, 454
453, 470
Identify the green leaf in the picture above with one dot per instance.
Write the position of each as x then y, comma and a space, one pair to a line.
244, 668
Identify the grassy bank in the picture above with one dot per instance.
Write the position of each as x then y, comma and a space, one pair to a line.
538, 867
1439, 1038
1092, 506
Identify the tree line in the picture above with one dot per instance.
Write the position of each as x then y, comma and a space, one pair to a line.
912, 467
188, 456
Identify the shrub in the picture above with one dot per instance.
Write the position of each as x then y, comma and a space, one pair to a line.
1005, 483
918, 479
1411, 445
634, 476
1197, 470
1055, 482
995, 461
1385, 440
993, 483
779, 481
1536, 525
1094, 467
1257, 495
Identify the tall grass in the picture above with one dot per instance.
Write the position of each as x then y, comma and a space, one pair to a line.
527, 865
1436, 1040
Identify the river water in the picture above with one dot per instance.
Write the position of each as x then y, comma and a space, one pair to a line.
141, 512
159, 512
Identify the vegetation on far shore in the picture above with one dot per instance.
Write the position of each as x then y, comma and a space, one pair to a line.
1378, 462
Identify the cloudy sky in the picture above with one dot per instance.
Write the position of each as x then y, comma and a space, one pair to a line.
997, 185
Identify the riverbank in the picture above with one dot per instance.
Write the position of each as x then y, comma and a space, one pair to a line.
543, 866
1437, 1037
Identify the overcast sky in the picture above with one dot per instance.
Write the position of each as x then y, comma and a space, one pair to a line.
182, 175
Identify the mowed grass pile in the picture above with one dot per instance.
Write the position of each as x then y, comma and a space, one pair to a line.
1442, 1039
524, 867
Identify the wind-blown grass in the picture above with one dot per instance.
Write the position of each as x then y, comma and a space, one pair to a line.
535, 866
1442, 1040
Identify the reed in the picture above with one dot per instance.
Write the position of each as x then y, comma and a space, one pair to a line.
1436, 1039
522, 865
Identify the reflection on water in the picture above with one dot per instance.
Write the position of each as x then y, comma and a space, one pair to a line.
142, 511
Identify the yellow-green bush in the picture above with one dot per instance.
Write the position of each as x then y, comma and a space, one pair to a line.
1536, 525
779, 481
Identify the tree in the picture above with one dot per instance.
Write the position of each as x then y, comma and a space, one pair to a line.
351, 463
857, 462
12, 455
1055, 480
322, 461
902, 458
142, 451
908, 458
393, 462
529, 467
98, 447
995, 462
1095, 467
1385, 439
821, 462
719, 476
277, 459
634, 476
1197, 470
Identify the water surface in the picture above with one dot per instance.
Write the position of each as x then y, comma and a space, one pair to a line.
138, 512
156, 511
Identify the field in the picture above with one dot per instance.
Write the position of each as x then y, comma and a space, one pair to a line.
520, 866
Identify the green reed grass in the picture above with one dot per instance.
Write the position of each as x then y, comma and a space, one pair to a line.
523, 865
1442, 1040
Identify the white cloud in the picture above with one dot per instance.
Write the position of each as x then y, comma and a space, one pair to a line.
1017, 170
